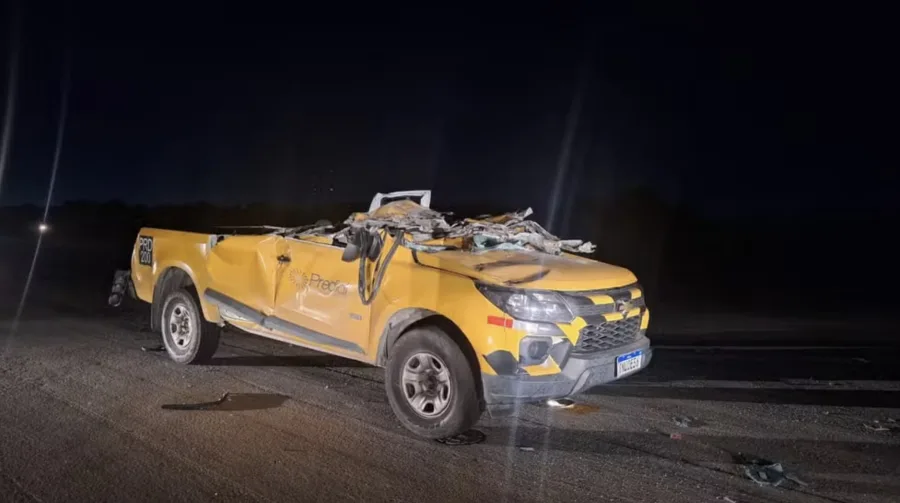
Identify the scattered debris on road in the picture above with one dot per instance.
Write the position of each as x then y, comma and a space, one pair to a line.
153, 349
561, 403
767, 473
525, 448
890, 425
234, 402
726, 499
468, 437
685, 421
675, 436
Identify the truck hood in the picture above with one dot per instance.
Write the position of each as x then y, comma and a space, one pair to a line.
527, 269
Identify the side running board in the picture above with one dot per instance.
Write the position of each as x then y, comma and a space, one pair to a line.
247, 313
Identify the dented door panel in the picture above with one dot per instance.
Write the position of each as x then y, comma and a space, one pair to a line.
318, 291
246, 269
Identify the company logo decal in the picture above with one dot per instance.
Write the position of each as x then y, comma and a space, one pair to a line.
315, 281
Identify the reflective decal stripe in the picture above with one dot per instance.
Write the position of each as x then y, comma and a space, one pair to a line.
500, 321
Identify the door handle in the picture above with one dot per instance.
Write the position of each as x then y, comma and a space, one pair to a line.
283, 259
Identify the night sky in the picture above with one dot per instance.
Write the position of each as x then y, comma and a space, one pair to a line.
725, 111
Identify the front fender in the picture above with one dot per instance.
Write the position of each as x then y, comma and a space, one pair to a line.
482, 338
398, 322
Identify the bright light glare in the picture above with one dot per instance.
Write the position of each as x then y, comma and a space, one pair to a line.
43, 227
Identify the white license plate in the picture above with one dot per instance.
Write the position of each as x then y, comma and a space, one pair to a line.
628, 363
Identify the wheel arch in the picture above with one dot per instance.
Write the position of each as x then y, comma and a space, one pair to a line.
170, 279
407, 319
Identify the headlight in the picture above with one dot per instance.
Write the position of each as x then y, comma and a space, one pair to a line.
528, 306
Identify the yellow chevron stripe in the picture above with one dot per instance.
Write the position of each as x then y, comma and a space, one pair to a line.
601, 299
546, 368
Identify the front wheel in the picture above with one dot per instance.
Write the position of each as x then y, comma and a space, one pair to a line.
431, 385
187, 336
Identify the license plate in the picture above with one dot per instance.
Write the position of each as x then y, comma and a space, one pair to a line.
628, 363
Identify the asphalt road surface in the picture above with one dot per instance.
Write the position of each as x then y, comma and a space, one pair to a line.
89, 415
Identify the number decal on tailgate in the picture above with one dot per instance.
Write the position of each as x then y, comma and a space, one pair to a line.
145, 250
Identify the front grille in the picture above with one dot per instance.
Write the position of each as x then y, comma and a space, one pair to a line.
581, 304
612, 292
586, 308
608, 335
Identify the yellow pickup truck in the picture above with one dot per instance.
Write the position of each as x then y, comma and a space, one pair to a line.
466, 315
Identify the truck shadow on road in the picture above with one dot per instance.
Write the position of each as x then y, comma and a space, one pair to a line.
320, 360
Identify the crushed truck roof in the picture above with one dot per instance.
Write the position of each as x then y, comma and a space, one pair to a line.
428, 230
508, 231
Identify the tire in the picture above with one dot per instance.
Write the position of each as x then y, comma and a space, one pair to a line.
431, 352
187, 336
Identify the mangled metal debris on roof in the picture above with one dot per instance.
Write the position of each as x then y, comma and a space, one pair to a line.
508, 231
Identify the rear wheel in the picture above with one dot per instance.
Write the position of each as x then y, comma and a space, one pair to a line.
431, 385
187, 336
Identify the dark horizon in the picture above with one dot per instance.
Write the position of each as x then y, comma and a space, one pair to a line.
727, 113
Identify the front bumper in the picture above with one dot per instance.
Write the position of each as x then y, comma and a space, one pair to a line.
579, 374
